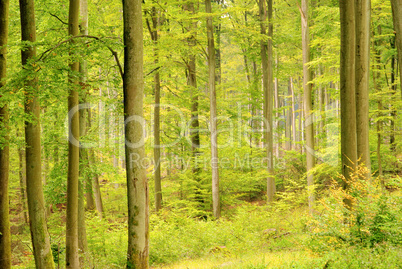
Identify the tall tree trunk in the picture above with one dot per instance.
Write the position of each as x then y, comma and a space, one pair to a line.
293, 109
322, 109
72, 260
212, 96
277, 123
269, 106
157, 93
5, 235
22, 179
362, 11
36, 201
376, 78
393, 113
397, 19
347, 91
308, 103
137, 185
266, 59
94, 185
91, 177
288, 127
192, 83
82, 234
218, 56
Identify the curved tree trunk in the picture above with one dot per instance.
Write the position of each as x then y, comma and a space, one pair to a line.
137, 185
5, 236
72, 260
36, 201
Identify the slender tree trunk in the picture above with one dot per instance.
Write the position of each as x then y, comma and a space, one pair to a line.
269, 105
322, 109
393, 113
91, 177
266, 59
376, 78
36, 201
212, 96
137, 185
362, 11
72, 260
293, 113
289, 117
82, 234
94, 185
5, 235
308, 103
157, 89
347, 91
192, 83
276, 102
22, 179
218, 57
397, 19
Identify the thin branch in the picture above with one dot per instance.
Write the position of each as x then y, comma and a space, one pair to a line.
46, 53
153, 70
54, 15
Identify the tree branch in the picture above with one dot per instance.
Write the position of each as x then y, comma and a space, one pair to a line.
63, 22
46, 53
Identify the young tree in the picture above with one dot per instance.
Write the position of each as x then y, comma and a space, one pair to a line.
5, 236
137, 185
72, 260
308, 102
36, 203
212, 96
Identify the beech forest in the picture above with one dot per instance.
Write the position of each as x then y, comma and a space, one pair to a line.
239, 134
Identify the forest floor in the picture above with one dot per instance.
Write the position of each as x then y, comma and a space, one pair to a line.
250, 235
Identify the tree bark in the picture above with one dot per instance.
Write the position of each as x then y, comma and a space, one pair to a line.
362, 11
212, 96
347, 91
137, 185
308, 103
5, 235
82, 234
393, 112
397, 19
95, 186
72, 260
157, 93
266, 59
22, 179
289, 115
36, 202
377, 88
192, 83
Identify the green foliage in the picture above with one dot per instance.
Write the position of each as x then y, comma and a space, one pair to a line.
373, 219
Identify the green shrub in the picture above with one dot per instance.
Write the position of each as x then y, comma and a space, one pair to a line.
374, 217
